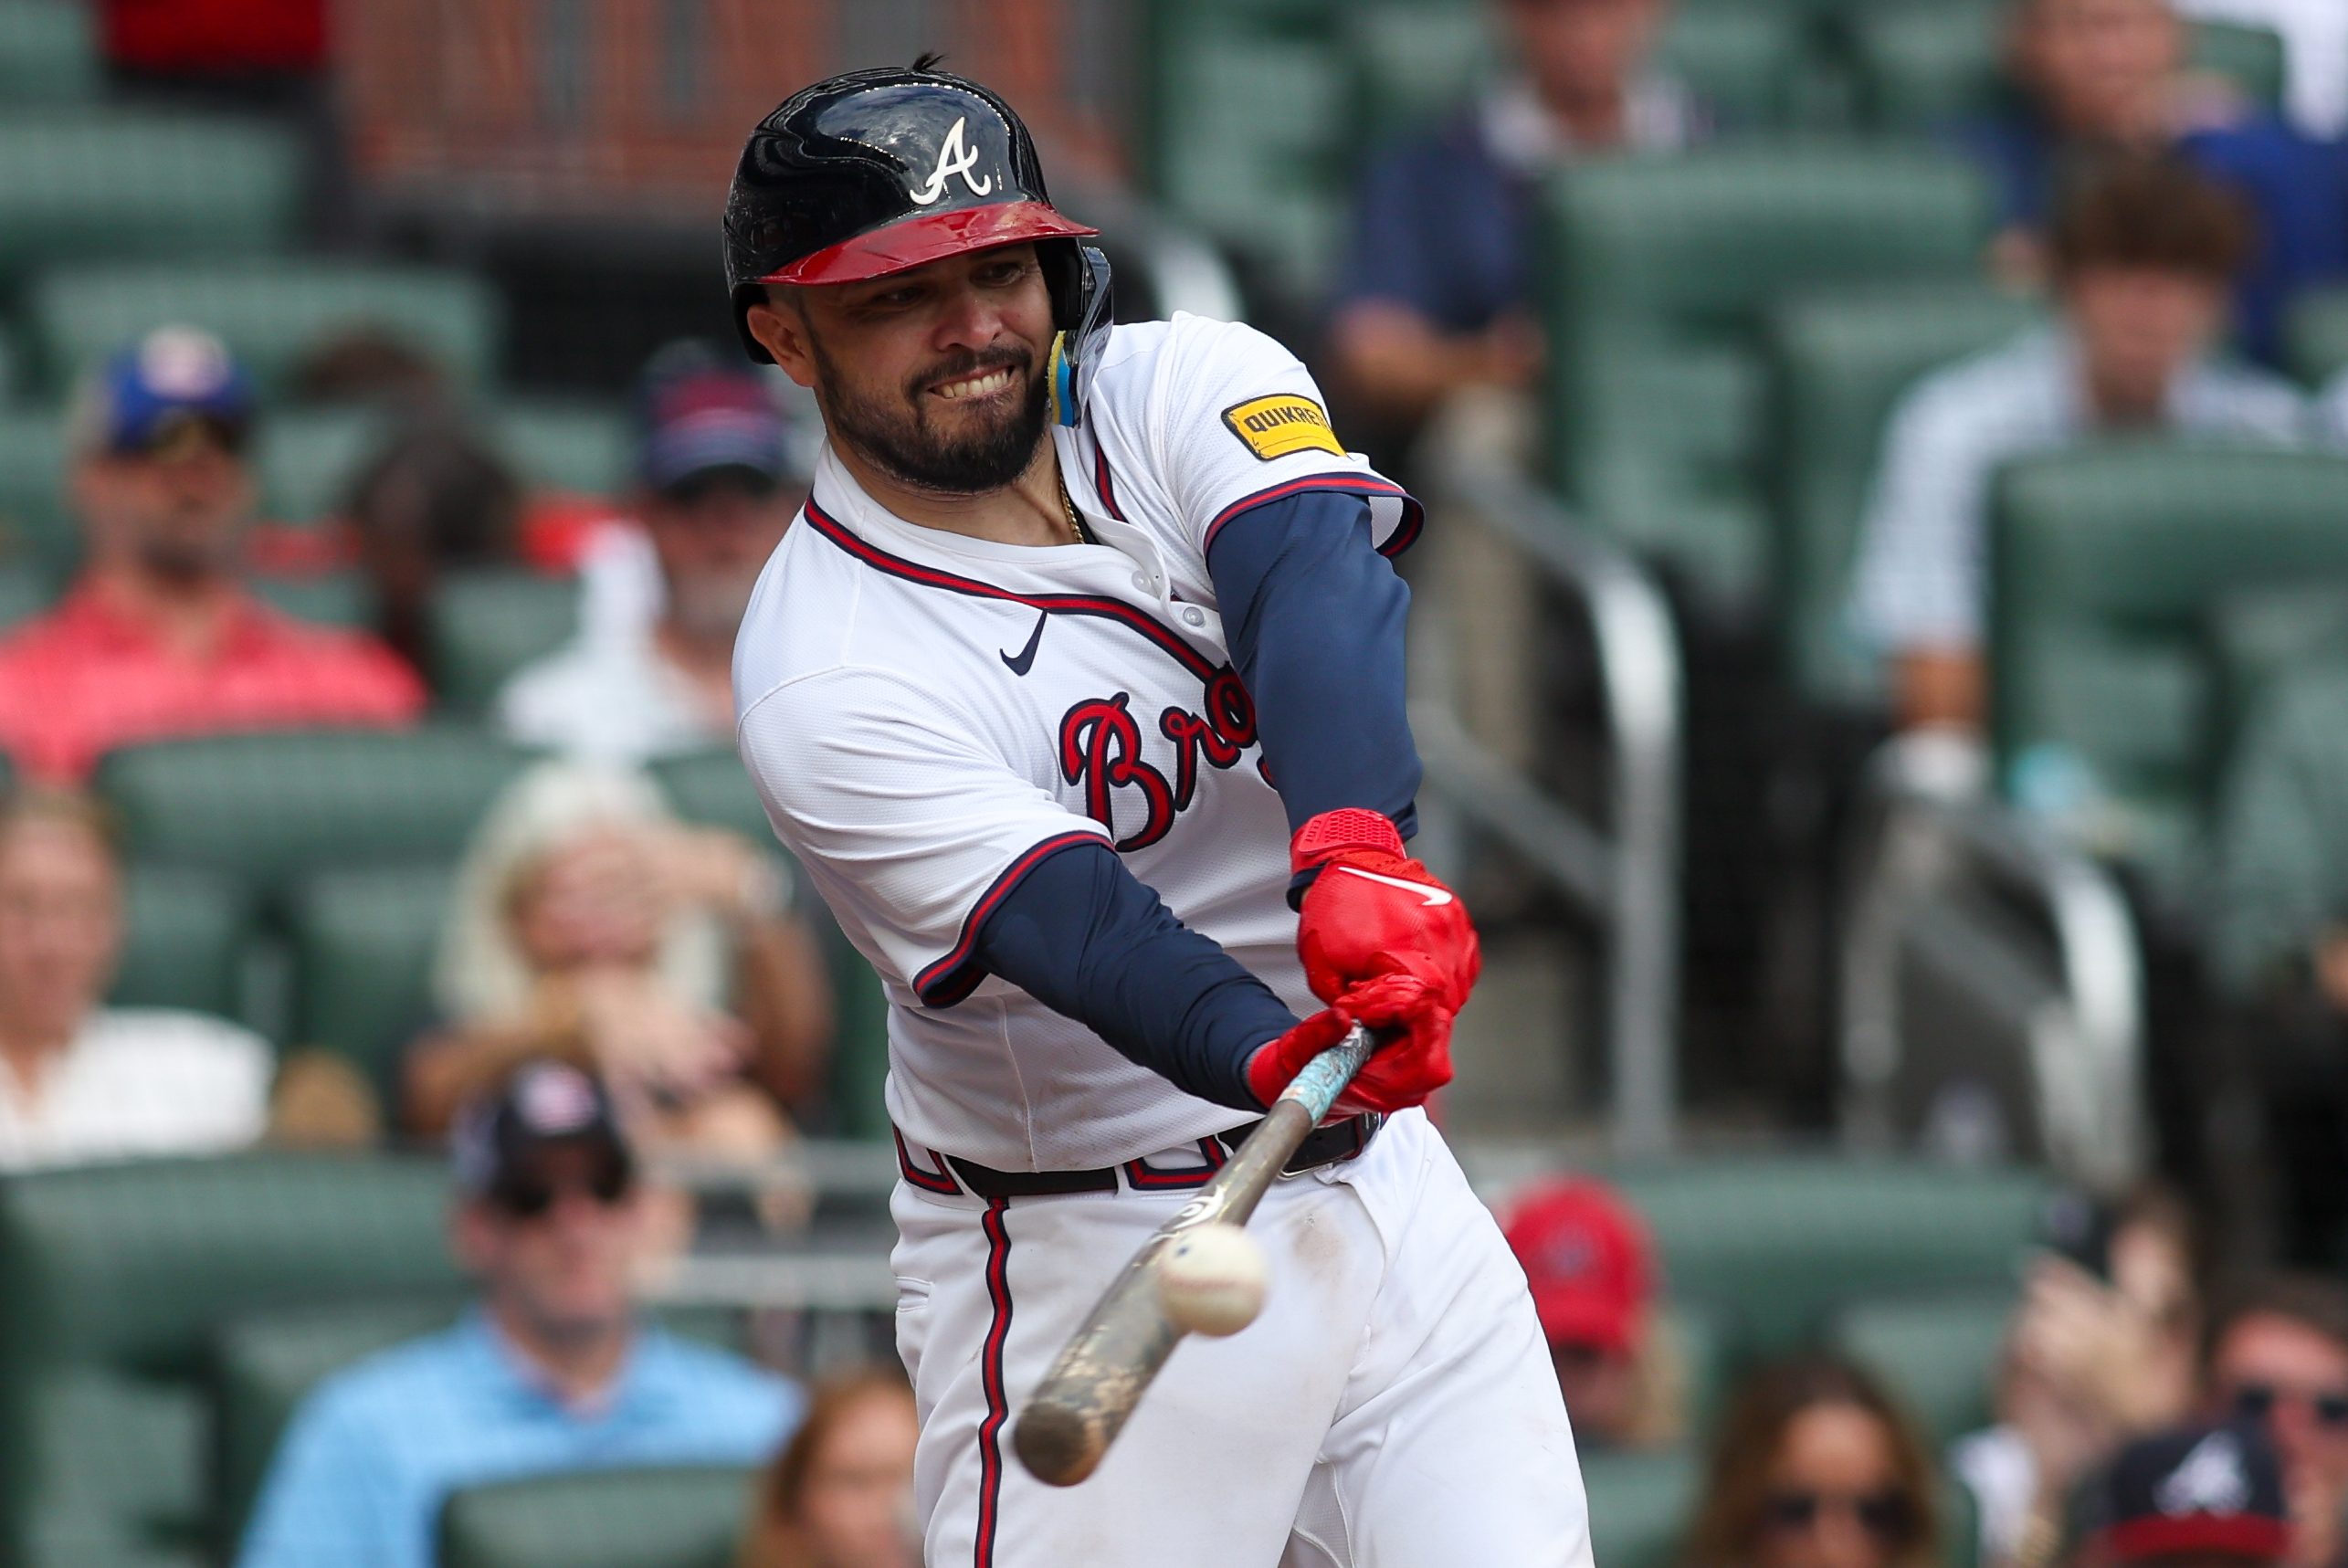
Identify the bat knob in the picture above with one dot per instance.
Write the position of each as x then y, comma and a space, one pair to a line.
1059, 1444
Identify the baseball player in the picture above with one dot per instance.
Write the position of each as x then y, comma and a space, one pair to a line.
1078, 690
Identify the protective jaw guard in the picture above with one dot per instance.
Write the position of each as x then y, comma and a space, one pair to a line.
1081, 308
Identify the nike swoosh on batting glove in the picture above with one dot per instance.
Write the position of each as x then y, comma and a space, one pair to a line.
1373, 910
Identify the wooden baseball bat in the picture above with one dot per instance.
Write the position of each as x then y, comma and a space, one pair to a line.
1081, 1405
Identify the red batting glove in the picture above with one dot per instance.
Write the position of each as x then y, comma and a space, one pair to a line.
1412, 1061
1373, 910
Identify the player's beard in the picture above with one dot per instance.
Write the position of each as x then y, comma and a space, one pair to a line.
897, 437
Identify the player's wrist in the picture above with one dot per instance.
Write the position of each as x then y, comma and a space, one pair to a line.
1348, 830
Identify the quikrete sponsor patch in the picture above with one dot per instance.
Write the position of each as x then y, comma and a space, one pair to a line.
1283, 423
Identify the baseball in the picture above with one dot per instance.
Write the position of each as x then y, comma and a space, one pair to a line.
1211, 1279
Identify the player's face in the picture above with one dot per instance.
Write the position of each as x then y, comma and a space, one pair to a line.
175, 511
555, 1243
853, 1507
60, 922
937, 377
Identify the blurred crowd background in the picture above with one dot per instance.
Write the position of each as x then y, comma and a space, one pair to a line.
1881, 652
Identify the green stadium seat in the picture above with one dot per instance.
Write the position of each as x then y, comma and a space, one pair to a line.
121, 1464
1842, 360
2105, 563
272, 806
183, 940
488, 623
48, 53
682, 1518
363, 939
1660, 273
1640, 1505
265, 1363
34, 528
581, 446
272, 313
78, 186
25, 592
1923, 64
340, 599
309, 459
1410, 62
1938, 1354
1778, 1245
2315, 335
711, 787
2258, 634
112, 1279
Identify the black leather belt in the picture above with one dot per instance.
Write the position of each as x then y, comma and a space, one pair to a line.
1321, 1146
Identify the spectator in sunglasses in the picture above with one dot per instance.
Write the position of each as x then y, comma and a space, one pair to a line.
718, 478
550, 1371
160, 636
1814, 1468
2207, 1496
2278, 1357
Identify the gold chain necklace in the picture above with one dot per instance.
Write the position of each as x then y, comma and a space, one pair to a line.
1076, 529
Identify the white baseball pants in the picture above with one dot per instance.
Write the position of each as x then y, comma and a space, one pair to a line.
1392, 1407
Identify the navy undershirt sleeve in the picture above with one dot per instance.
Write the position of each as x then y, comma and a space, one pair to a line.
1087, 938
1314, 617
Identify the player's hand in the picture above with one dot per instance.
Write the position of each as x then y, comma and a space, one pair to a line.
1413, 1059
1372, 911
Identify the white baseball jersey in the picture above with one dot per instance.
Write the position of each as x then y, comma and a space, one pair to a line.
927, 715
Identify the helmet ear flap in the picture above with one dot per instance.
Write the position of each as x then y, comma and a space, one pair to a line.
1075, 275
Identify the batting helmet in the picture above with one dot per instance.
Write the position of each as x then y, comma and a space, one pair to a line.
877, 172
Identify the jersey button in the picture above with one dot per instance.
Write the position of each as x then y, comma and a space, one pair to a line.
1194, 614
1142, 581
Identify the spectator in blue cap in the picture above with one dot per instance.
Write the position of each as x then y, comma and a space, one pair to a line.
718, 479
160, 638
551, 1372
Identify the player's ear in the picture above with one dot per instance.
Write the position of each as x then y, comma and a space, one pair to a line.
781, 328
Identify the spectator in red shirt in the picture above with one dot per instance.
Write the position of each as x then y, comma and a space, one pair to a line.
159, 638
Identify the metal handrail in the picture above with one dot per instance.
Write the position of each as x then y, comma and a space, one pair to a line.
2083, 1034
1627, 878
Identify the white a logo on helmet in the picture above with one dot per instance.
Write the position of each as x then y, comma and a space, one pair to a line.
954, 157
2210, 1479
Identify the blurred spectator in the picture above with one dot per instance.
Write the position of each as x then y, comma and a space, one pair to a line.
1814, 1468
2206, 1496
159, 638
1591, 1265
2142, 252
2279, 942
1437, 287
717, 486
550, 1371
2279, 1359
2315, 54
435, 498
2094, 77
588, 924
841, 1495
2103, 1349
79, 1080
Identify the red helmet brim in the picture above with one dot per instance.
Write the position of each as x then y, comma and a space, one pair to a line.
926, 237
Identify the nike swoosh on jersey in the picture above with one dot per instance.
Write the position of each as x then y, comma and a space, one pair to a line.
1435, 897
1027, 659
